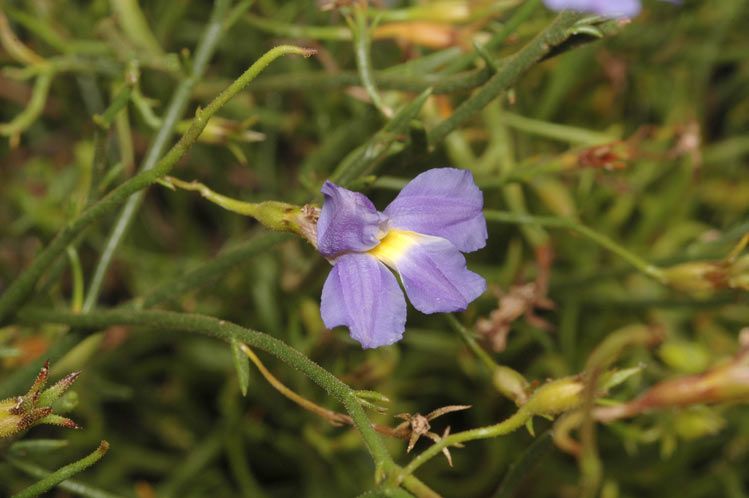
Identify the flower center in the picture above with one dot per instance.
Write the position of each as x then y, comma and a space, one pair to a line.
394, 245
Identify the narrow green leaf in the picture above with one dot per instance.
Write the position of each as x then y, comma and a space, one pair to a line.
242, 365
63, 473
43, 446
362, 160
523, 466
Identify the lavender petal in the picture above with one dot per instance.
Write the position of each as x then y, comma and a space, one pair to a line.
362, 294
444, 202
435, 276
348, 222
607, 8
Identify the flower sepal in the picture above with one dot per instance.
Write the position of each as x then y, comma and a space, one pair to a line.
20, 413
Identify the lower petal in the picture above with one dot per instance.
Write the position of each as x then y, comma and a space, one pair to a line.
362, 294
432, 269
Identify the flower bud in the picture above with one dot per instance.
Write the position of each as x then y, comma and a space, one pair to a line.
555, 397
698, 277
511, 384
726, 383
738, 275
685, 356
34, 408
697, 422
704, 277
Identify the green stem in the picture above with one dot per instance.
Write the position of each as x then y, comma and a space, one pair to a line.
523, 12
212, 269
135, 26
501, 429
21, 288
508, 74
564, 133
389, 79
508, 381
418, 488
206, 46
75, 268
523, 465
328, 33
361, 32
600, 239
274, 215
34, 108
362, 160
63, 473
226, 331
69, 485
471, 342
104, 120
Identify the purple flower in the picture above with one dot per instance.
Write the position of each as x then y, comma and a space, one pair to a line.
607, 8
420, 235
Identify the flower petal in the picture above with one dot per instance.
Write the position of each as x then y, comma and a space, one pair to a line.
444, 202
348, 222
362, 294
432, 270
608, 8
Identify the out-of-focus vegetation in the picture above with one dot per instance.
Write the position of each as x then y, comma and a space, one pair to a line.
613, 157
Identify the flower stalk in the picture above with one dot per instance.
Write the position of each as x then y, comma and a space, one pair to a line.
274, 215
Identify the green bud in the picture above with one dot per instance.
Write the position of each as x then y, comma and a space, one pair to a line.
685, 356
697, 422
700, 278
511, 384
555, 397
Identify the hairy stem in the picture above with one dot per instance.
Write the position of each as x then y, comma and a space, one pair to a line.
21, 288
222, 329
63, 473
508, 74
501, 429
174, 112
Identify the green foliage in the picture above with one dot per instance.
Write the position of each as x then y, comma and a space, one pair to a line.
612, 157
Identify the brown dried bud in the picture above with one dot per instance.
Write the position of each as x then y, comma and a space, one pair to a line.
725, 383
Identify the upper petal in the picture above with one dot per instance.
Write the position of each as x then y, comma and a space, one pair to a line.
432, 270
608, 8
444, 202
348, 222
362, 294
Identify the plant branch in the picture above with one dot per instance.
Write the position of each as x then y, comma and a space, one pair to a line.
63, 473
175, 110
21, 288
222, 329
509, 73
600, 239
501, 429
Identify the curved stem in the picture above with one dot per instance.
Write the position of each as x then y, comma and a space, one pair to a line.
222, 329
470, 341
361, 33
71, 486
506, 76
63, 473
600, 239
503, 428
21, 288
34, 108
205, 49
